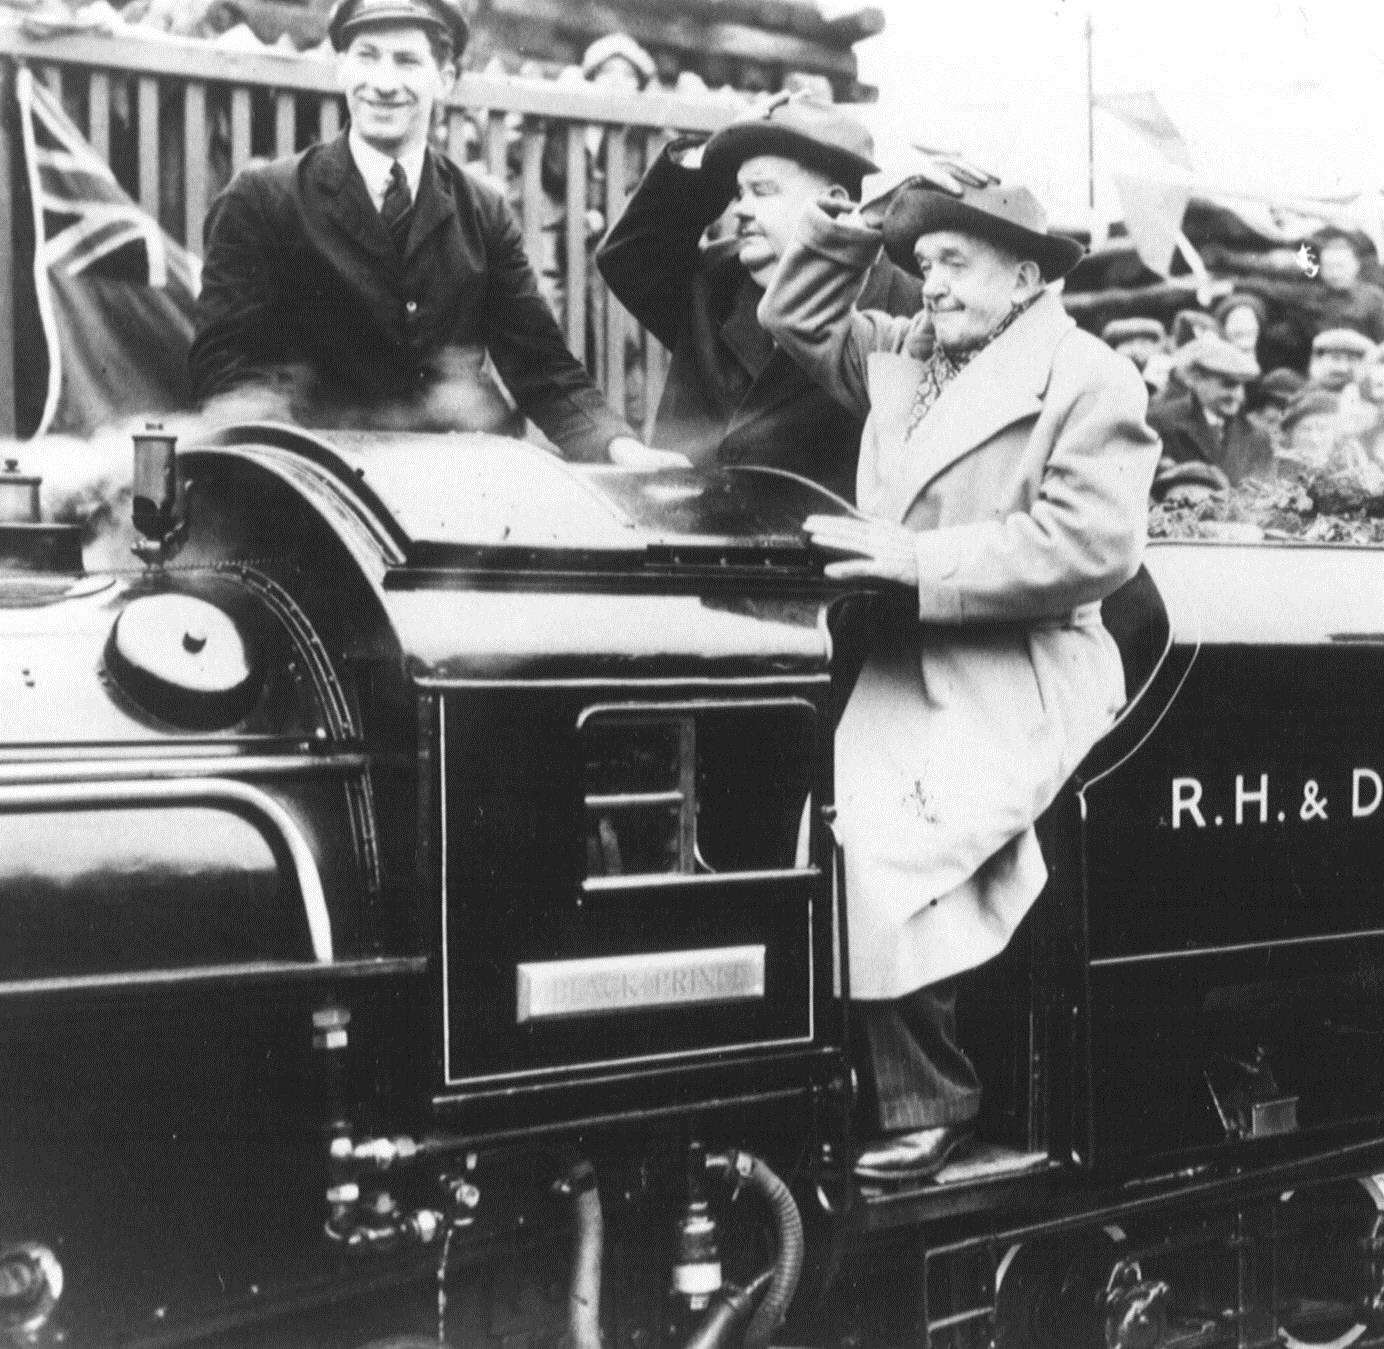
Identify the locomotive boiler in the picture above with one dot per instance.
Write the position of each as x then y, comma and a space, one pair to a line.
421, 923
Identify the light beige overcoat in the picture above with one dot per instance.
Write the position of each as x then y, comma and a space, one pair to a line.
1028, 485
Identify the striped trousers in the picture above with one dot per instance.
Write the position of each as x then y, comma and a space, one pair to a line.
912, 1072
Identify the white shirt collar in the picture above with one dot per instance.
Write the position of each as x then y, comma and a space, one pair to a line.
374, 167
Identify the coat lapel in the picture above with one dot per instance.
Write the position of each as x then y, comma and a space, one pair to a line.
436, 205
740, 331
333, 179
1003, 384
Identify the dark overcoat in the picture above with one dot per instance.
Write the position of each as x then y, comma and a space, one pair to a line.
731, 397
300, 275
1246, 452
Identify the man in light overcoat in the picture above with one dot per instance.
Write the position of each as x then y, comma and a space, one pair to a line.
1003, 479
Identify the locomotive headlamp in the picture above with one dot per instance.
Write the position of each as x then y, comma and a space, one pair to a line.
158, 506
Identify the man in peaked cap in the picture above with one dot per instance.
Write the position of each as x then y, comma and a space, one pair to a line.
1208, 423
1137, 338
731, 397
1003, 494
1337, 354
364, 281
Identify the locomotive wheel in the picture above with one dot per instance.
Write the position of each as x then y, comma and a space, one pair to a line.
1049, 1293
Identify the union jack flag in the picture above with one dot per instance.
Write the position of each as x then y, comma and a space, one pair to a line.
114, 293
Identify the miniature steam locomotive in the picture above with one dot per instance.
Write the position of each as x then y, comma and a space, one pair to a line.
418, 924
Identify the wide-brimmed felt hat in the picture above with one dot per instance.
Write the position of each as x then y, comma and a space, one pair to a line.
1009, 217
619, 45
1216, 356
1126, 330
443, 17
821, 135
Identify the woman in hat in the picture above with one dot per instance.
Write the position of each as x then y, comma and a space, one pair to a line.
1003, 487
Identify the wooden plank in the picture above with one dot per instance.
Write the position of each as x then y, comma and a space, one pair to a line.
698, 35
576, 239
329, 119
456, 135
655, 376
616, 143
531, 193
495, 162
99, 114
285, 124
9, 420
195, 158
149, 145
240, 128
538, 98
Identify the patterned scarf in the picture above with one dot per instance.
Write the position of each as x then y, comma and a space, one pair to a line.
941, 366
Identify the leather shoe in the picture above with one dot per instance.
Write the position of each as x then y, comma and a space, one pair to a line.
912, 1156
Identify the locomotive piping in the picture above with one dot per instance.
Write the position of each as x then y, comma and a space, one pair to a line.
588, 1251
788, 1224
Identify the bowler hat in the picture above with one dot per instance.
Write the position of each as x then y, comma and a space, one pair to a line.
1126, 330
621, 46
1216, 356
443, 17
1009, 217
820, 135
1344, 340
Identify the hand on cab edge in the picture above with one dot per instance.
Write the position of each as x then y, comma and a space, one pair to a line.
626, 452
882, 551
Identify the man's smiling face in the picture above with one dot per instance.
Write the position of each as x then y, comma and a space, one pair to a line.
392, 79
969, 285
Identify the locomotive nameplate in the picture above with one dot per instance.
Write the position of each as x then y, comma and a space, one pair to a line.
557, 988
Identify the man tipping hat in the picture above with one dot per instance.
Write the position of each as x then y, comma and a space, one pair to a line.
1003, 492
365, 281
1337, 354
1208, 423
730, 396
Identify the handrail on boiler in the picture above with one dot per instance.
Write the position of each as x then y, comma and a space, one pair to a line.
212, 791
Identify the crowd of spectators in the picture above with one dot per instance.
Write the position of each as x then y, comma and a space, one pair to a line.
1228, 418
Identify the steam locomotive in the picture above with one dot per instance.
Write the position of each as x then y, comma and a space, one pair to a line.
421, 925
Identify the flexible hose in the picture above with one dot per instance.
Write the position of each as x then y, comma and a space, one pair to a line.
727, 1313
788, 1262
584, 1291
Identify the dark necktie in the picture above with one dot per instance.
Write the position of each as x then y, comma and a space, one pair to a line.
397, 209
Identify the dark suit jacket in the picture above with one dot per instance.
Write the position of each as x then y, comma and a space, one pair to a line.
1246, 452
300, 275
732, 397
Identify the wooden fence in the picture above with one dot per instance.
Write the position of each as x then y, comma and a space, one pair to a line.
175, 121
